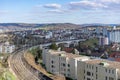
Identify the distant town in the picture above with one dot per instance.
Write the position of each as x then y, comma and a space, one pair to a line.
59, 51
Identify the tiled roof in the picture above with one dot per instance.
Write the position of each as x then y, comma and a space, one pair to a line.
68, 50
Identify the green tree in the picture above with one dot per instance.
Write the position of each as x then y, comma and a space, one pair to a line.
53, 46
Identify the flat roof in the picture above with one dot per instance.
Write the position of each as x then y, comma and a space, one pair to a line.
110, 64
65, 54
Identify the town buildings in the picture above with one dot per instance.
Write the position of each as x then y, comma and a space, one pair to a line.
103, 41
114, 36
80, 67
6, 47
98, 69
62, 63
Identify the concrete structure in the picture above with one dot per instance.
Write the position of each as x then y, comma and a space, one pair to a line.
98, 69
105, 31
6, 48
98, 30
114, 36
48, 35
62, 63
80, 67
103, 41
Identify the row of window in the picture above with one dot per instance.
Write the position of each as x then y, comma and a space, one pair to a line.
109, 71
109, 78
63, 64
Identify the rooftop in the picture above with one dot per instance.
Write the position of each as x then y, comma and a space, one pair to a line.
110, 64
64, 54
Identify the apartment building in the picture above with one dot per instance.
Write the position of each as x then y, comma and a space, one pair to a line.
80, 67
62, 63
114, 36
98, 69
6, 47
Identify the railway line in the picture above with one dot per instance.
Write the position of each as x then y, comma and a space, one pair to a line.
22, 69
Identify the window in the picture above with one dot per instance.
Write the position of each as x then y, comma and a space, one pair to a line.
96, 69
96, 76
63, 64
106, 70
87, 66
68, 69
68, 65
92, 67
88, 79
88, 73
113, 71
109, 70
92, 74
52, 62
110, 78
68, 74
52, 70
52, 66
106, 78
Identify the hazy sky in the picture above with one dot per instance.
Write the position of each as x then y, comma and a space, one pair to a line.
60, 11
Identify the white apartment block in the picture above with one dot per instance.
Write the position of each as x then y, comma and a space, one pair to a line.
62, 63
114, 36
98, 69
6, 48
80, 67
9, 48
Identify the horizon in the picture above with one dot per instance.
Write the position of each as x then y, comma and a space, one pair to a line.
68, 23
55, 11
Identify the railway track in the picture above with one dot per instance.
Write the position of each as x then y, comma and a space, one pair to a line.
22, 70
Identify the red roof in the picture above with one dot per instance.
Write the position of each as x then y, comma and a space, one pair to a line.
68, 50
117, 59
116, 56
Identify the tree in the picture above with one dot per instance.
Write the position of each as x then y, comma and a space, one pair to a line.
53, 46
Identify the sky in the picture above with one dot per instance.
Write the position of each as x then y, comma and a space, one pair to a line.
60, 11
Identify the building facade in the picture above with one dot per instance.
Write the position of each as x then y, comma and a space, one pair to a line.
98, 70
80, 67
103, 41
6, 48
62, 63
114, 36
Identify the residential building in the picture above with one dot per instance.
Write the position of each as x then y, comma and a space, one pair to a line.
80, 67
98, 69
98, 31
6, 47
114, 36
105, 31
103, 41
62, 63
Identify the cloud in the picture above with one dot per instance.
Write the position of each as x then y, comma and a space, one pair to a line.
57, 11
52, 6
85, 4
111, 1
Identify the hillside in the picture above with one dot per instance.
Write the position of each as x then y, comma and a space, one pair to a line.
15, 26
22, 26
